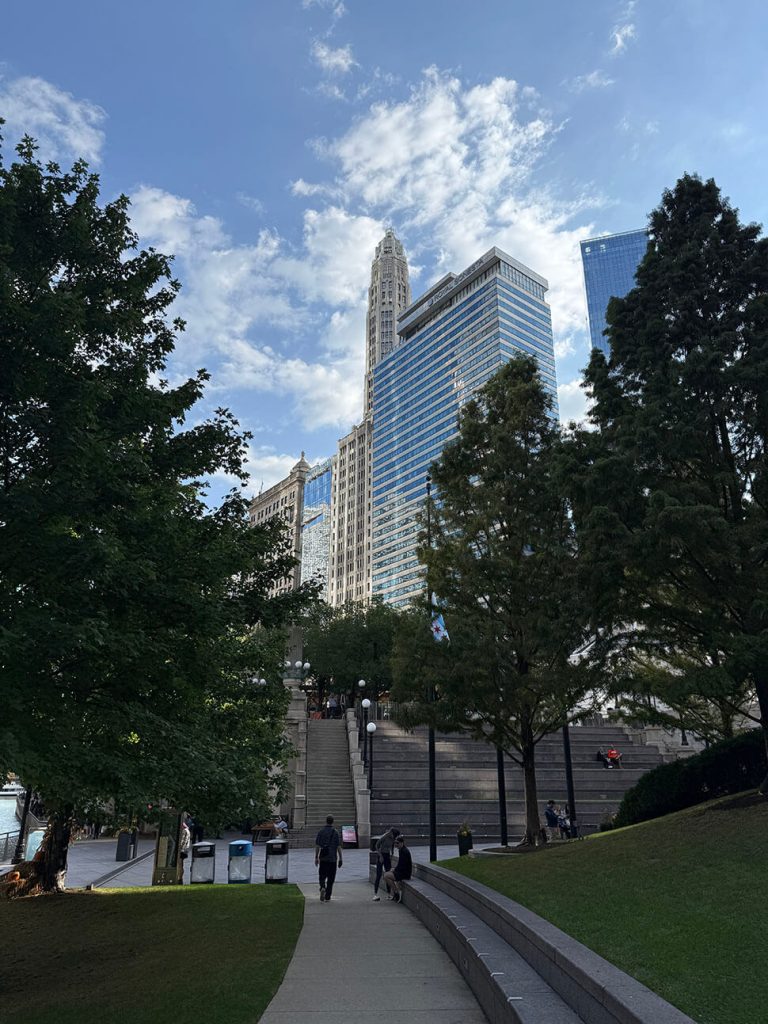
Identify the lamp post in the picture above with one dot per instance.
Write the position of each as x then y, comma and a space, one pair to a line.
569, 783
371, 730
366, 729
430, 698
502, 796
361, 688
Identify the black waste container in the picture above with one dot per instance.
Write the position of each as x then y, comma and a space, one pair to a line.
126, 845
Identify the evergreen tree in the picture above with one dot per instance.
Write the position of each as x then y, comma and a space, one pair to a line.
672, 490
503, 568
132, 617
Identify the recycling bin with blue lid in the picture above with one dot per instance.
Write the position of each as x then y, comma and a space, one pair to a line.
203, 870
276, 861
240, 861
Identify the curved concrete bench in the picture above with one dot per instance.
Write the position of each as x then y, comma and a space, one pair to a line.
590, 988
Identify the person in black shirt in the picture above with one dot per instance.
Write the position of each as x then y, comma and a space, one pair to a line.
401, 872
327, 851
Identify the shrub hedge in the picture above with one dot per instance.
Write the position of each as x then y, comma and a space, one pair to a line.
726, 767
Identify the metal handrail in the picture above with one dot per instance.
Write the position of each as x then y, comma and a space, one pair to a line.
8, 842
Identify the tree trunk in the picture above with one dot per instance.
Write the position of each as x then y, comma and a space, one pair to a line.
48, 869
534, 834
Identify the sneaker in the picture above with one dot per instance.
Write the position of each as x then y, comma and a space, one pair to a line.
376, 899
390, 897
322, 893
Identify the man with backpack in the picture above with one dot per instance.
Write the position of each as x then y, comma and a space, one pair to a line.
327, 856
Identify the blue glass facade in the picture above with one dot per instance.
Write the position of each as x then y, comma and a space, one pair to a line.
316, 526
452, 340
609, 263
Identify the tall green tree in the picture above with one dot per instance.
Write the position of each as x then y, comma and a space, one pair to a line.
503, 565
671, 490
132, 616
351, 643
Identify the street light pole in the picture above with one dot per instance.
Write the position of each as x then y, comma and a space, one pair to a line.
366, 730
371, 730
502, 796
361, 687
431, 697
569, 782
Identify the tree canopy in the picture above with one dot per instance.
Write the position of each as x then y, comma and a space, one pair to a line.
352, 643
132, 615
671, 489
503, 566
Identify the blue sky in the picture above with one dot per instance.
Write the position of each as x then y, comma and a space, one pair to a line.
268, 143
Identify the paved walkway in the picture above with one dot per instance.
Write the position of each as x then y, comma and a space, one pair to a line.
358, 961
91, 859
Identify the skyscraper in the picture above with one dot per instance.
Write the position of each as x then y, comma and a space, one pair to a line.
285, 499
349, 576
609, 263
388, 294
452, 340
316, 526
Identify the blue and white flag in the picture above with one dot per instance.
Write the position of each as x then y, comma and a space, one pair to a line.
439, 632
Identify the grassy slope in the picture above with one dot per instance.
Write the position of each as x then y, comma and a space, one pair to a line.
208, 953
679, 902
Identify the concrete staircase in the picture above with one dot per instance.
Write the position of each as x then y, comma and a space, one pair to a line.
329, 780
467, 787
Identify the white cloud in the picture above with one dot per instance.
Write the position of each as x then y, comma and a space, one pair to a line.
250, 202
573, 401
63, 126
596, 79
332, 61
620, 36
233, 293
464, 181
306, 188
334, 7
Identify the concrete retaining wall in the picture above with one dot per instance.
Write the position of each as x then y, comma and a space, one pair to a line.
594, 989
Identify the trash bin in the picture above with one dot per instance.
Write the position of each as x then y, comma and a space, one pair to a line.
203, 869
276, 861
126, 845
240, 859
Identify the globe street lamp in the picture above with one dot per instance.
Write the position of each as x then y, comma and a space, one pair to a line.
366, 704
371, 730
361, 687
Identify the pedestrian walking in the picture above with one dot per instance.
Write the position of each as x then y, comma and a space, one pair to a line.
401, 872
327, 857
384, 847
184, 844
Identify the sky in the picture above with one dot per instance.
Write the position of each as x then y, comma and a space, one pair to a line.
267, 144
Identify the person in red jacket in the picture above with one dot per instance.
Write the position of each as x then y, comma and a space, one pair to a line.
614, 757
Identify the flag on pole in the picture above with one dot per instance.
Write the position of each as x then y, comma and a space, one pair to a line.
439, 632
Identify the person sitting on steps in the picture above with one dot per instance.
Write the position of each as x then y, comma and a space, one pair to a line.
602, 756
614, 757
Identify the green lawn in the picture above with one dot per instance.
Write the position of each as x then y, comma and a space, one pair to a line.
679, 902
195, 953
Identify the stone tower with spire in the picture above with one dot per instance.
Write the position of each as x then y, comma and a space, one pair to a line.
349, 570
389, 294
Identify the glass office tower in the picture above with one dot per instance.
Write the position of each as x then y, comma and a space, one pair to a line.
316, 526
452, 340
609, 263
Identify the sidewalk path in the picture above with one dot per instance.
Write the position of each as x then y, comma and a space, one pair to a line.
358, 961
91, 859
